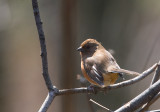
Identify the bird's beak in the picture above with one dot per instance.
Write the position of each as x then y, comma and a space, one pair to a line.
80, 49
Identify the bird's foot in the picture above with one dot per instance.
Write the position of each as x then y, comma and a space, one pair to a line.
93, 88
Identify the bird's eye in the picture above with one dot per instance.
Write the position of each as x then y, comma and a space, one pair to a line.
88, 47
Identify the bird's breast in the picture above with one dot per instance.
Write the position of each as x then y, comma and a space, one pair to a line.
86, 75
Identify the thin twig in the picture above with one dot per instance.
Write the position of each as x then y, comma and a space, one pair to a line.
90, 106
114, 86
151, 50
108, 110
154, 79
141, 99
156, 75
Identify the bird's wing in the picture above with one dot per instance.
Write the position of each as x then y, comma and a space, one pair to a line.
114, 67
95, 75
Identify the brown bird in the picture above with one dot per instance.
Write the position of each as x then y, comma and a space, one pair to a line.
98, 65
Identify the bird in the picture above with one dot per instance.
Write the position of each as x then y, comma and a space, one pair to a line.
98, 65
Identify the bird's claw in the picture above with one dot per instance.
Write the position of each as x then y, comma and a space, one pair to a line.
93, 88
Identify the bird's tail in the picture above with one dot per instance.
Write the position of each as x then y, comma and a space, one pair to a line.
127, 72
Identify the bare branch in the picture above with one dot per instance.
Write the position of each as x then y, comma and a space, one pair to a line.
108, 110
153, 111
155, 78
134, 80
51, 95
114, 86
146, 106
45, 73
141, 99
42, 44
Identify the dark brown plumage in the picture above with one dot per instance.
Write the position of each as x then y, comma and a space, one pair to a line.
98, 66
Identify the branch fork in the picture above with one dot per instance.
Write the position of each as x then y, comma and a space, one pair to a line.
152, 91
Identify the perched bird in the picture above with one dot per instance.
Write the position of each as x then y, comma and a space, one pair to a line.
98, 66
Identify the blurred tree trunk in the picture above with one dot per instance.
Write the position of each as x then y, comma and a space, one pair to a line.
68, 60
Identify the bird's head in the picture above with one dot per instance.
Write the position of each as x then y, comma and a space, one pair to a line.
89, 47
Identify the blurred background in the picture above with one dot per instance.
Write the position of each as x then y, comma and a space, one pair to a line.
129, 27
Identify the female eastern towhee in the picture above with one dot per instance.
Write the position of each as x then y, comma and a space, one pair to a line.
98, 65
